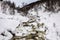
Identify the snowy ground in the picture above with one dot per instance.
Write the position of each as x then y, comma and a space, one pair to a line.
10, 22
6, 22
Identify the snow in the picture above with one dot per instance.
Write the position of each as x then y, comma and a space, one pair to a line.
10, 22
49, 21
